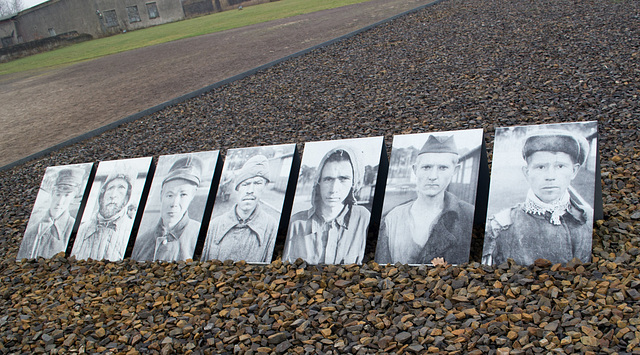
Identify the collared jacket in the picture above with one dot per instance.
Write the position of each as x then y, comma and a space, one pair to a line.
524, 237
450, 236
341, 241
41, 240
175, 244
251, 240
101, 239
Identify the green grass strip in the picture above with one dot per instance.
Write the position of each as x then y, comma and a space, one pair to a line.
170, 32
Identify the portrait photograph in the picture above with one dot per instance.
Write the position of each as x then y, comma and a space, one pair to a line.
249, 202
175, 206
55, 211
429, 199
333, 201
542, 193
111, 208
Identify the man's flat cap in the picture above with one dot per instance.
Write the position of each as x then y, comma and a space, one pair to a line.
257, 165
557, 141
69, 179
439, 144
186, 168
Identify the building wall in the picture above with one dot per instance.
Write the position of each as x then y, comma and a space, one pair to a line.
56, 17
95, 17
126, 11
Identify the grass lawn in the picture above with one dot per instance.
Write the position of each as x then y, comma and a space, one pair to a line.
170, 32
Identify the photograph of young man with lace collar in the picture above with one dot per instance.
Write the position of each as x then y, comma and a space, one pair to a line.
554, 218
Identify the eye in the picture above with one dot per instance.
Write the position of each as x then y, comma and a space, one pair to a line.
443, 168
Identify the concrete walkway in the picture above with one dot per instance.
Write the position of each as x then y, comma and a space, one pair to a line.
43, 109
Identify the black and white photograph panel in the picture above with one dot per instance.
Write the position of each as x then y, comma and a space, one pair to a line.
112, 205
175, 206
333, 200
248, 206
55, 211
430, 197
541, 194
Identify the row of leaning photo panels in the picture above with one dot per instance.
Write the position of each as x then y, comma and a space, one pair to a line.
540, 201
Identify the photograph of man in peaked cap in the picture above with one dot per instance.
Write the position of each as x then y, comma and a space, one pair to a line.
174, 235
48, 234
554, 221
435, 223
244, 225
105, 229
334, 229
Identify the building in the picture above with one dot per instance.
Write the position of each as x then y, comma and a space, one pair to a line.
95, 17
100, 18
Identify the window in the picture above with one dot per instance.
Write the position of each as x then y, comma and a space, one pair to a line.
52, 32
132, 12
7, 41
110, 18
152, 8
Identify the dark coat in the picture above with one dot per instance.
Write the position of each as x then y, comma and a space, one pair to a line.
450, 236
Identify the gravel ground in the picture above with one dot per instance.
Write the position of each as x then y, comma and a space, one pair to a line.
459, 64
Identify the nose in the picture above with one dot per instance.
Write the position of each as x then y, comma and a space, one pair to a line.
332, 186
551, 174
173, 200
433, 175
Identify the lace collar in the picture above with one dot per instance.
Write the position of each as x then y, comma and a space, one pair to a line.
533, 205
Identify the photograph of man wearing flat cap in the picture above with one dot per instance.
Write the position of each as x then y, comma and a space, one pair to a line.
171, 220
552, 217
54, 211
430, 195
106, 226
334, 195
244, 225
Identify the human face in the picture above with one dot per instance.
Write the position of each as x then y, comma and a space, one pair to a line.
114, 198
175, 200
249, 193
434, 172
336, 180
60, 201
549, 174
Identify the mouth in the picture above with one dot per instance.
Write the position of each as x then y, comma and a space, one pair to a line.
248, 198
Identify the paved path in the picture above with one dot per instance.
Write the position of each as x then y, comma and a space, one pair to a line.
42, 109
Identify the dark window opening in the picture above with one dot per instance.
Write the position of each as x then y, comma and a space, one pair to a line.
132, 12
7, 41
152, 8
110, 18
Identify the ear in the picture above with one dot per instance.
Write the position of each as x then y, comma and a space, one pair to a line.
456, 169
525, 171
